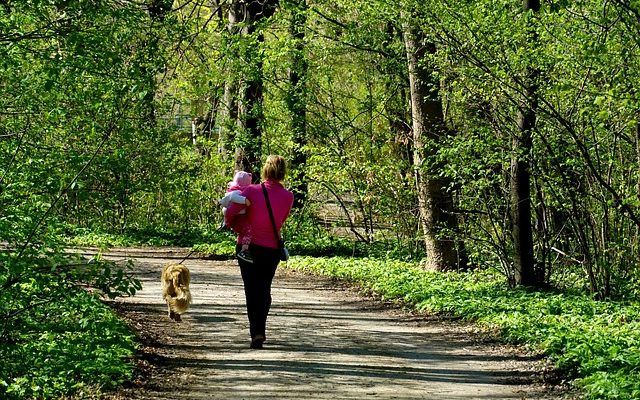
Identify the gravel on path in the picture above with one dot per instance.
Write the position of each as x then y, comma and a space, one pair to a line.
324, 341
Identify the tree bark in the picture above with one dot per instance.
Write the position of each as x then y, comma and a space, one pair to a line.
636, 244
248, 149
398, 114
228, 118
248, 154
520, 182
434, 201
297, 100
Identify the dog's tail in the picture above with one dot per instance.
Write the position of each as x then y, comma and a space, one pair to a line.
182, 299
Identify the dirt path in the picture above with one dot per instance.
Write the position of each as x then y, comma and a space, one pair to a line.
323, 342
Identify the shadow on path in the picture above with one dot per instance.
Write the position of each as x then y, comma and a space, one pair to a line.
322, 343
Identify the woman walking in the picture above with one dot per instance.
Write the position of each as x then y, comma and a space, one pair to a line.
270, 207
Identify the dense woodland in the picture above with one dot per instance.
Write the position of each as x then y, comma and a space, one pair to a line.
488, 135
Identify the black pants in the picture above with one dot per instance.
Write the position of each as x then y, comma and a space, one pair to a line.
257, 278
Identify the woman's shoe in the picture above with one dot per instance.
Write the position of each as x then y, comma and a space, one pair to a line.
256, 342
245, 256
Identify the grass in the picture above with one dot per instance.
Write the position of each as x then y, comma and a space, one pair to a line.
595, 343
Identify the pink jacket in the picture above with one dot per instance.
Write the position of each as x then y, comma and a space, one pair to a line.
257, 214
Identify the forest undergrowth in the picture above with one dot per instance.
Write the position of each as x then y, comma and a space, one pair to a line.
78, 346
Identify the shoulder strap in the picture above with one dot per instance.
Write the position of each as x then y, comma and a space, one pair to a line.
273, 221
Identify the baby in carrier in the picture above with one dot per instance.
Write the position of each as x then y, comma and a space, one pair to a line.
241, 225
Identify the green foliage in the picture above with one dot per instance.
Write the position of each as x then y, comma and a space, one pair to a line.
597, 343
584, 197
97, 100
75, 105
226, 249
56, 337
67, 343
303, 236
160, 236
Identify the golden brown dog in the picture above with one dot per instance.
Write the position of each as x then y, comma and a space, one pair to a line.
175, 289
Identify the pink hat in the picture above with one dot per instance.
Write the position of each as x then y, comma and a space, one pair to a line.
240, 180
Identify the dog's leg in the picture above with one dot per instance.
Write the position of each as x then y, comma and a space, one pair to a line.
171, 313
177, 318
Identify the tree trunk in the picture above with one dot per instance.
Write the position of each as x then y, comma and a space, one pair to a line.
297, 100
398, 115
434, 201
158, 10
248, 154
248, 148
228, 119
637, 241
520, 183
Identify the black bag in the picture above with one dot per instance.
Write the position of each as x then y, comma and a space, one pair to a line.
284, 253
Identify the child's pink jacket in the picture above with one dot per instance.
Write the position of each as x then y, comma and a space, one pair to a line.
257, 214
